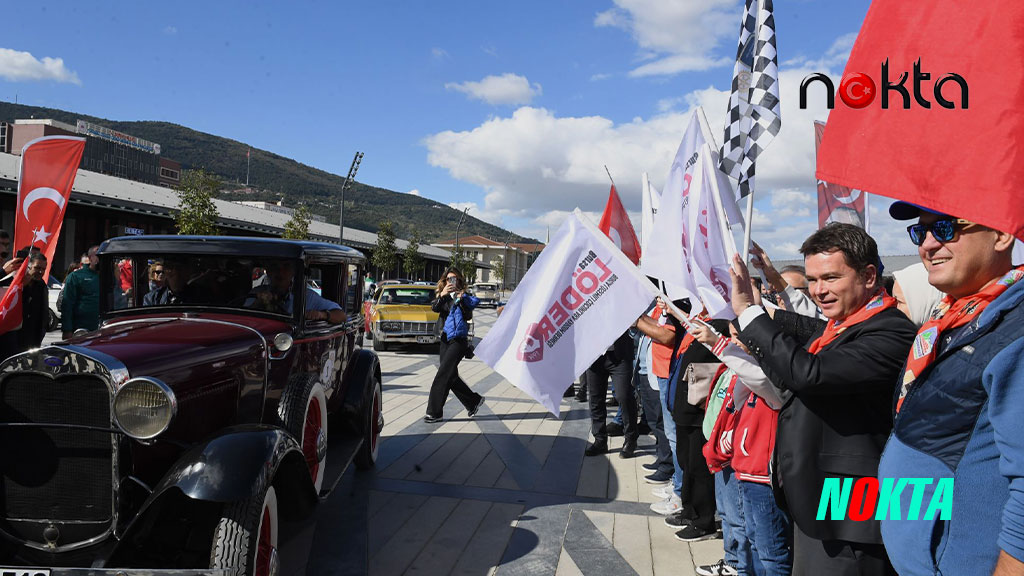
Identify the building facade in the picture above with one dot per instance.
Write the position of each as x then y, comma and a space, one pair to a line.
493, 254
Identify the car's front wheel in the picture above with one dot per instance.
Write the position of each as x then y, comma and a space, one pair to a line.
379, 345
303, 412
245, 540
373, 423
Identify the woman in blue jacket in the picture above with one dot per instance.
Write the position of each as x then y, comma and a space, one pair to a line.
455, 309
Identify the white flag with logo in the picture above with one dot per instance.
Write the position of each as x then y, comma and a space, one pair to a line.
669, 258
712, 246
650, 200
578, 297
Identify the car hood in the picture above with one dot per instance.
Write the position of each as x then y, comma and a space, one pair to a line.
406, 313
172, 345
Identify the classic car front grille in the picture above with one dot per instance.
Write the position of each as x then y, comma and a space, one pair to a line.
57, 474
394, 326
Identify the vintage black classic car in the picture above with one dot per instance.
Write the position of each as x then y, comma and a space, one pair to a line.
205, 409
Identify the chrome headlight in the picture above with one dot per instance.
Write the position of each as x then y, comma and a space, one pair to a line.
391, 326
144, 408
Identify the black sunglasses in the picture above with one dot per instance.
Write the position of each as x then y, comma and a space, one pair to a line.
942, 230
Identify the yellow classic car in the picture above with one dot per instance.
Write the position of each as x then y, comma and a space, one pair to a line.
400, 313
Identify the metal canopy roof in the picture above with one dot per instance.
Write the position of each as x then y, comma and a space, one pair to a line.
101, 190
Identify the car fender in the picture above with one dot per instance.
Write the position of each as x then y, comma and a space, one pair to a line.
236, 463
365, 367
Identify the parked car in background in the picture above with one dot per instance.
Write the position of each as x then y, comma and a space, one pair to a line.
54, 287
181, 432
401, 314
487, 293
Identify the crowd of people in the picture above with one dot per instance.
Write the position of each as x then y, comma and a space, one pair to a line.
836, 372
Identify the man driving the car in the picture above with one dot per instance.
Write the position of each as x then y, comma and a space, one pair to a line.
277, 295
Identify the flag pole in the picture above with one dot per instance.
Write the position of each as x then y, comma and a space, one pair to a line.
747, 224
867, 214
609, 174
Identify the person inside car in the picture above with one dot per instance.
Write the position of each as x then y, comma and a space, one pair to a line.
176, 289
277, 296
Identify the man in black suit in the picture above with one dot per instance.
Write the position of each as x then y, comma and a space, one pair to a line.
842, 380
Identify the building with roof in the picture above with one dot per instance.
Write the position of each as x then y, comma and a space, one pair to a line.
102, 206
489, 254
107, 151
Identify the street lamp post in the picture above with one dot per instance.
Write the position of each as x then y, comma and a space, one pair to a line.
504, 266
348, 181
457, 229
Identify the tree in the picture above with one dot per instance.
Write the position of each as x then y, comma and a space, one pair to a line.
498, 269
385, 254
298, 227
463, 263
413, 261
197, 214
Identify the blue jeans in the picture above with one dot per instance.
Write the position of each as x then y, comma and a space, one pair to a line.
670, 433
738, 550
768, 528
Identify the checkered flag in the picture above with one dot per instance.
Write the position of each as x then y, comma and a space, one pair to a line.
753, 117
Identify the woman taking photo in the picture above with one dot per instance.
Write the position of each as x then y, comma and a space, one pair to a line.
455, 309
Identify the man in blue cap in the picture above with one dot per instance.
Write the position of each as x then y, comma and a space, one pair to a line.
958, 409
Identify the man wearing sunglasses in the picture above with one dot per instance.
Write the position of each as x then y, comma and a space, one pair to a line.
959, 407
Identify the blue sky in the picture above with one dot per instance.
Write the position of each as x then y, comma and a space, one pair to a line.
513, 108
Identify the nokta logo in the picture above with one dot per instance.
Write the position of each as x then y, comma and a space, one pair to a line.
867, 498
858, 90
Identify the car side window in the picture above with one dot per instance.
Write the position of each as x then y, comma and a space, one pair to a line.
323, 281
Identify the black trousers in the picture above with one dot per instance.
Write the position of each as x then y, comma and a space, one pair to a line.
447, 379
620, 371
698, 484
839, 557
650, 399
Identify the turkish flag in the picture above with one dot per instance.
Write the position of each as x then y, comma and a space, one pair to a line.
48, 169
837, 203
966, 161
616, 225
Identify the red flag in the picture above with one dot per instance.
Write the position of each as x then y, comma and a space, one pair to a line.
10, 303
965, 161
837, 203
48, 169
616, 225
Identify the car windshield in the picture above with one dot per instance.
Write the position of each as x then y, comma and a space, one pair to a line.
181, 280
414, 296
484, 286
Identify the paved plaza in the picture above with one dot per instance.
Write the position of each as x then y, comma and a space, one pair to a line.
506, 492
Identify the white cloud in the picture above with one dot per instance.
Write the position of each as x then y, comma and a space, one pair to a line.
19, 66
170, 30
414, 192
677, 36
534, 166
438, 53
489, 216
599, 77
507, 89
834, 58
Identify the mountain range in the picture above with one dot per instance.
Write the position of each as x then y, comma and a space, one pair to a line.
274, 177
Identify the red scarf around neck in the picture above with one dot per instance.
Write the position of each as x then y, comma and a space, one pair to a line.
949, 314
877, 303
